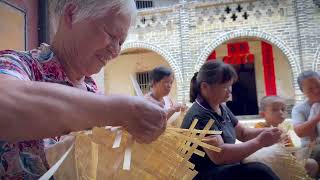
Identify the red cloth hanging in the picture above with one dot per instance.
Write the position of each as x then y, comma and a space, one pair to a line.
227, 59
250, 58
212, 56
268, 69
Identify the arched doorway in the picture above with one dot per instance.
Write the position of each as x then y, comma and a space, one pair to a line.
137, 62
263, 69
316, 63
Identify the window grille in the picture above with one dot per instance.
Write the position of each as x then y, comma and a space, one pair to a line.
144, 4
143, 79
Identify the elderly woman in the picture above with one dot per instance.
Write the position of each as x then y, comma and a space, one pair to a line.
48, 91
305, 124
161, 84
210, 88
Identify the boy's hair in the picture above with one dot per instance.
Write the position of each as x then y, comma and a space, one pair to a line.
267, 100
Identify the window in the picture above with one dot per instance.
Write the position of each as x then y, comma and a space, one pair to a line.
144, 4
143, 79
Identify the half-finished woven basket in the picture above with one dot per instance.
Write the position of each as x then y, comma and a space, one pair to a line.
281, 161
94, 155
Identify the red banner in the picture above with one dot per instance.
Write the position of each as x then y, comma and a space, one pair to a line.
239, 59
268, 69
238, 48
238, 53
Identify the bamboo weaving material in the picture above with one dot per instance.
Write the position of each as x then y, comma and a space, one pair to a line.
100, 155
281, 161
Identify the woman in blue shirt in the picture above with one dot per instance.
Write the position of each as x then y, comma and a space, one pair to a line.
210, 88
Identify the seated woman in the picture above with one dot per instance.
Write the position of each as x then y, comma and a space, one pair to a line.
161, 83
209, 89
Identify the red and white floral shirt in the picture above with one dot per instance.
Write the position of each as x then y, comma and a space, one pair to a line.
26, 160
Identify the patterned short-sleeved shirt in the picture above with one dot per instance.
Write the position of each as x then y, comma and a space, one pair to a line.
26, 160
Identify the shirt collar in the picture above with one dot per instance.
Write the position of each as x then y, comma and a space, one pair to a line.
203, 103
52, 68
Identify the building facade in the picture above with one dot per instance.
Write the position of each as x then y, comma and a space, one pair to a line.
269, 42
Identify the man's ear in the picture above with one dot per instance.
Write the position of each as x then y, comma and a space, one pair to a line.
262, 114
69, 14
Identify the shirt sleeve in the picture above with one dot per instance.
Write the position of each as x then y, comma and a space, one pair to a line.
314, 111
13, 65
297, 115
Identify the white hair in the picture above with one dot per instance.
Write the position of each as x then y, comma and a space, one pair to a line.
92, 8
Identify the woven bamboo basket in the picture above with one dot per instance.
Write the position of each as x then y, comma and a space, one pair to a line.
281, 160
101, 154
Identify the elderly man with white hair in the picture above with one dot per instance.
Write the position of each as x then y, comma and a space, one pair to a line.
48, 92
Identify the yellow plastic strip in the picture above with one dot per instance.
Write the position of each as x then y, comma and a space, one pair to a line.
199, 153
195, 144
193, 125
202, 144
197, 141
196, 151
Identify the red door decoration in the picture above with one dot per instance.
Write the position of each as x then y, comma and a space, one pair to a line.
239, 48
238, 53
268, 69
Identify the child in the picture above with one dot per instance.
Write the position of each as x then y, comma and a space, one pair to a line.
273, 110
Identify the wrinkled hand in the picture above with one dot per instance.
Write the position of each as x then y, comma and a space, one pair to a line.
269, 137
145, 120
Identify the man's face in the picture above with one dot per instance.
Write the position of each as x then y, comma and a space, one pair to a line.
311, 88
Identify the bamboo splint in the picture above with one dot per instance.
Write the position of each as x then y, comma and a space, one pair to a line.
100, 155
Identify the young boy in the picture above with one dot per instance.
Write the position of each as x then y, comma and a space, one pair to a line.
273, 110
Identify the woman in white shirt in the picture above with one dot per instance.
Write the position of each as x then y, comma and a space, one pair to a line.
161, 84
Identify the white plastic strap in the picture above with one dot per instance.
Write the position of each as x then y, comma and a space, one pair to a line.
117, 140
127, 154
56, 166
